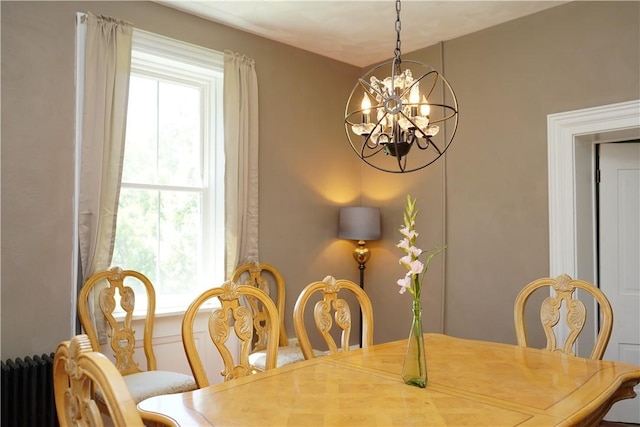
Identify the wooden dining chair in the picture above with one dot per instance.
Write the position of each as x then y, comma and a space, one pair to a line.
329, 289
574, 313
230, 311
268, 279
78, 374
118, 303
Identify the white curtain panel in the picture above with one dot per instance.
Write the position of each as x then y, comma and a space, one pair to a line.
106, 89
241, 160
107, 65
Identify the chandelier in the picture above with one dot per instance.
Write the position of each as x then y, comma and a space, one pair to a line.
396, 123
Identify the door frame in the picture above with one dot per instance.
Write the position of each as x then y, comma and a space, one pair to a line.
572, 137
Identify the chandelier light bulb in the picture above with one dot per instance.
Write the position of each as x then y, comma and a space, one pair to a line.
414, 99
424, 107
414, 95
366, 104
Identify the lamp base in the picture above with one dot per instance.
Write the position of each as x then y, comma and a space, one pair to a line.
361, 254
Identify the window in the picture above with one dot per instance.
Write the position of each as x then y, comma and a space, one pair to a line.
170, 222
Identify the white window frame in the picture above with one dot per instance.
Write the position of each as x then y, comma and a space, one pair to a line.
153, 55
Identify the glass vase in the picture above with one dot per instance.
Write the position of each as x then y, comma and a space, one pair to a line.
414, 369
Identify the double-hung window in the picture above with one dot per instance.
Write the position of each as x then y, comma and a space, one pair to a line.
170, 222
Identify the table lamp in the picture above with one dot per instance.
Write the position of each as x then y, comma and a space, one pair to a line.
359, 223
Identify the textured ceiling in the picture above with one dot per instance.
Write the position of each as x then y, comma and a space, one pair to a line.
359, 32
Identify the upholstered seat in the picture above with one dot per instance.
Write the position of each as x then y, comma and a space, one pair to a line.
143, 385
268, 279
231, 311
110, 286
286, 356
331, 290
574, 313
78, 371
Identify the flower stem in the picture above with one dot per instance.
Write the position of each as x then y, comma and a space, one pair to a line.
417, 324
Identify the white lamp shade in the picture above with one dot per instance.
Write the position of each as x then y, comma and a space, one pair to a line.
359, 223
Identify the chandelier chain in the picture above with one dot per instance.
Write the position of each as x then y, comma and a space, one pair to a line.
398, 28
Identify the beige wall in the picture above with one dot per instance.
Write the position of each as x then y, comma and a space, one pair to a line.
507, 80
492, 212
306, 167
572, 57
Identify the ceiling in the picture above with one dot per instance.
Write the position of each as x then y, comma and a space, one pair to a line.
360, 32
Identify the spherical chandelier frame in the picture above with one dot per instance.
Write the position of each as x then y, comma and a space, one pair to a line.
397, 127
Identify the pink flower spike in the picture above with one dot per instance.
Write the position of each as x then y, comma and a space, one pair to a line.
403, 244
404, 283
406, 261
408, 233
416, 267
415, 252
412, 281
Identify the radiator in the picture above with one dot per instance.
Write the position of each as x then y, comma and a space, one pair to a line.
27, 392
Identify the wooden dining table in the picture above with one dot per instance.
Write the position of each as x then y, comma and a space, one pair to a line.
470, 383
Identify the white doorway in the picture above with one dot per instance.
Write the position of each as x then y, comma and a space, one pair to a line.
572, 140
619, 257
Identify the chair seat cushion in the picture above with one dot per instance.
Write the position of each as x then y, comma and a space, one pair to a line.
286, 356
143, 385
153, 383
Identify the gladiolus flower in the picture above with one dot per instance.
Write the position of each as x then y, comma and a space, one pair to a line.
412, 281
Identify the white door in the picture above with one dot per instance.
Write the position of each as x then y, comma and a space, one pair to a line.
619, 258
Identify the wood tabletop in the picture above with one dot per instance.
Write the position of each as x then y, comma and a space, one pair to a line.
470, 383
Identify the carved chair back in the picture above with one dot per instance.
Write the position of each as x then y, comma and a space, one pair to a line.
229, 312
78, 372
121, 294
268, 279
564, 304
330, 291
117, 299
